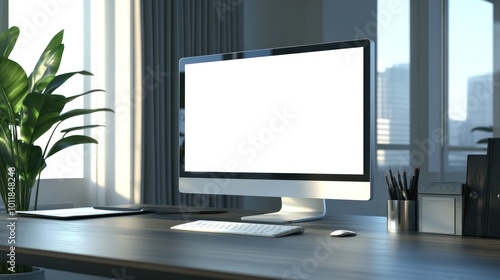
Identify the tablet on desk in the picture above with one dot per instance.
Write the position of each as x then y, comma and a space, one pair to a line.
80, 213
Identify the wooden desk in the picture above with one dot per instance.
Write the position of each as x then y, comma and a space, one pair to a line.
144, 247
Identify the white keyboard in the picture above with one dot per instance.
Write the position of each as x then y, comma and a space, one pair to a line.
264, 230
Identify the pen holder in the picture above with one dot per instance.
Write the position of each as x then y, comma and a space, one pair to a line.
401, 215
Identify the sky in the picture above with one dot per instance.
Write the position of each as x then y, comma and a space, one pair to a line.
470, 43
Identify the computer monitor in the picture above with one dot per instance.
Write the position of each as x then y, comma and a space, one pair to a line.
293, 122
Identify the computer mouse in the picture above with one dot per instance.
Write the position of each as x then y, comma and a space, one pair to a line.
342, 233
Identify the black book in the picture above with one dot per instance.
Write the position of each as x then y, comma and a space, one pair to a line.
492, 203
475, 195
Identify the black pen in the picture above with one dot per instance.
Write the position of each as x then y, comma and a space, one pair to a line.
414, 183
405, 181
389, 187
417, 174
395, 185
405, 195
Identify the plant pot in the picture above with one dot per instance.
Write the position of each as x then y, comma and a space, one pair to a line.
36, 274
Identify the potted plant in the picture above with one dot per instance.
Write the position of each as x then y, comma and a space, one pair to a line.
29, 108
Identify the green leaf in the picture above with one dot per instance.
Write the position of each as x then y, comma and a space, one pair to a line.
70, 141
6, 112
5, 143
71, 98
79, 112
51, 58
14, 82
67, 130
40, 112
61, 79
483, 128
8, 40
31, 160
47, 65
55, 41
482, 141
46, 69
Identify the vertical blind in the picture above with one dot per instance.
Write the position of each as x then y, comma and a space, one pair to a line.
171, 30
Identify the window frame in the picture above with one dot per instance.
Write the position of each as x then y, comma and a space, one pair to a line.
429, 147
118, 151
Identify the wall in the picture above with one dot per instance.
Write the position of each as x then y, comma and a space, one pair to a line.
278, 23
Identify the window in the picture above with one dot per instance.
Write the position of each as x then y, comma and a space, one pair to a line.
434, 121
470, 79
93, 30
393, 83
39, 21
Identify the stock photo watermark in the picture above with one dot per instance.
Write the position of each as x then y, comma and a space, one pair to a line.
153, 77
40, 19
121, 275
246, 151
308, 265
423, 148
254, 144
74, 158
381, 19
223, 7
12, 219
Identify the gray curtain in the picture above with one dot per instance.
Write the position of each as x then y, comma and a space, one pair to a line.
173, 29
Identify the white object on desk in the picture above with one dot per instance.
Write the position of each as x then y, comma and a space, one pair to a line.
343, 233
252, 229
441, 208
75, 213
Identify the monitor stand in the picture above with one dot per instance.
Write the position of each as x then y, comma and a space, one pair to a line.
293, 210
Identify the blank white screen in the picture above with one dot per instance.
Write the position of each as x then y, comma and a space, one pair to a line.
294, 113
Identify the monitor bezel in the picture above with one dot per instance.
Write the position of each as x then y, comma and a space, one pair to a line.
368, 89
